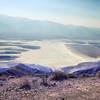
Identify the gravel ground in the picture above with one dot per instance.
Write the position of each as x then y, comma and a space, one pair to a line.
31, 88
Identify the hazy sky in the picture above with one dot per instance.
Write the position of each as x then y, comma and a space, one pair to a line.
77, 12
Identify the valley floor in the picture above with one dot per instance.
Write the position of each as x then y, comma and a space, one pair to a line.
31, 88
56, 54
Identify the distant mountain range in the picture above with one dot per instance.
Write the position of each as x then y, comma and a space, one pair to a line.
22, 28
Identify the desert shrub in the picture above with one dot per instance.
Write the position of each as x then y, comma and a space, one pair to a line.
98, 74
44, 80
71, 75
25, 87
59, 75
19, 81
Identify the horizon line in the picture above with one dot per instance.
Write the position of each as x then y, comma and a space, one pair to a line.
52, 21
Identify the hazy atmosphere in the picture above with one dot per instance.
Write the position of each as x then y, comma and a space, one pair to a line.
75, 12
67, 31
64, 29
49, 49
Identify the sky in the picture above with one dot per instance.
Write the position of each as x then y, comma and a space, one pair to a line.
75, 12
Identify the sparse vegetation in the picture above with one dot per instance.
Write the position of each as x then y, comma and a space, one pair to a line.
20, 81
78, 89
98, 74
59, 75
44, 80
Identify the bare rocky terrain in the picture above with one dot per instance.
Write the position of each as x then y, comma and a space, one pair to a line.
36, 88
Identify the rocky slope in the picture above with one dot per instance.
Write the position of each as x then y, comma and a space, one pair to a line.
35, 82
32, 88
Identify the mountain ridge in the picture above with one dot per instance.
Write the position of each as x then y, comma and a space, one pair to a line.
24, 28
79, 70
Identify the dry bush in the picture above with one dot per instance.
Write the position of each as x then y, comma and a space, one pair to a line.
98, 74
19, 81
60, 75
71, 75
